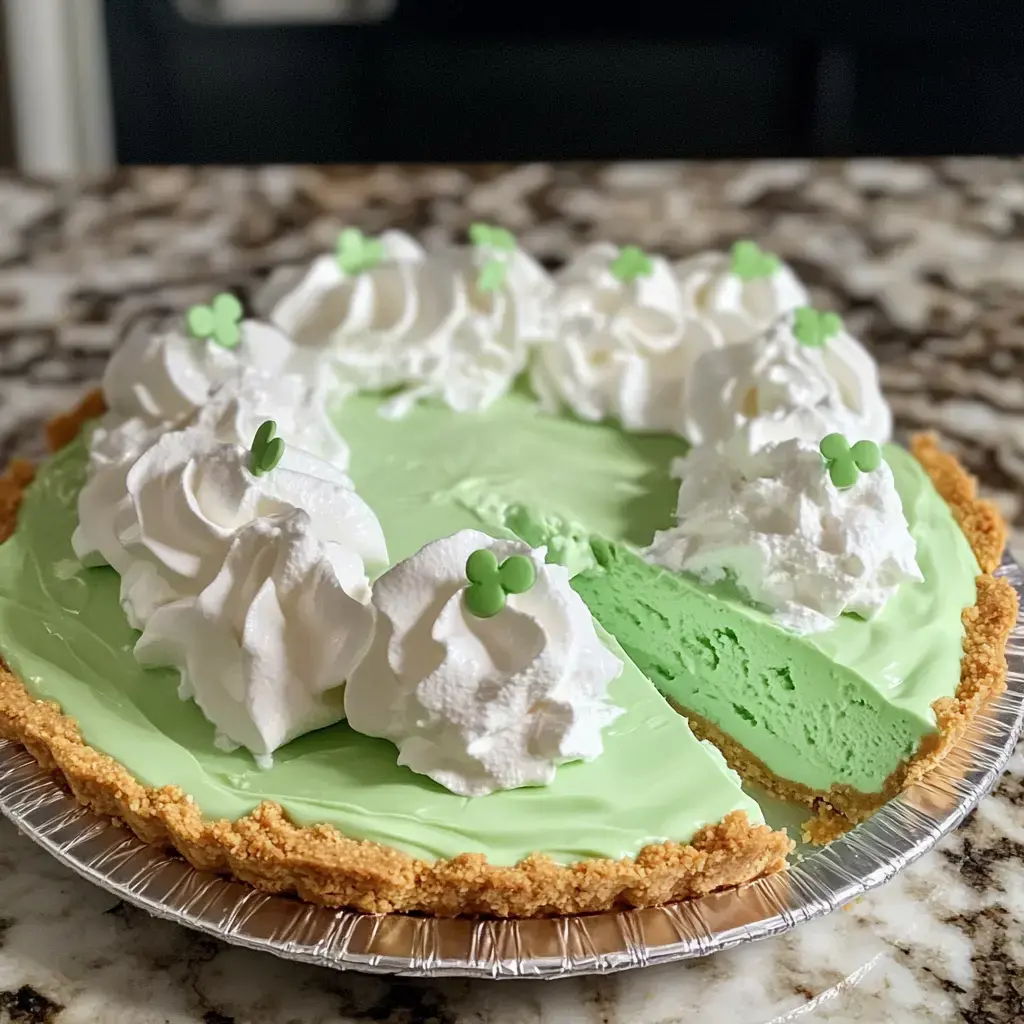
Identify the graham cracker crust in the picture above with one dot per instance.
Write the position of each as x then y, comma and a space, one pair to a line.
321, 865
987, 627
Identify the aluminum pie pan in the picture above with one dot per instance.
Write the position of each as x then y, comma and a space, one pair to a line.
111, 856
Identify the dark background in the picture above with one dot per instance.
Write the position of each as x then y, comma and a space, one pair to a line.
524, 80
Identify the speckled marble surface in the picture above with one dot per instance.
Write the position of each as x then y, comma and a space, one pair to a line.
926, 262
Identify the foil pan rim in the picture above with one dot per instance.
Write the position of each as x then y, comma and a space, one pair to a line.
109, 855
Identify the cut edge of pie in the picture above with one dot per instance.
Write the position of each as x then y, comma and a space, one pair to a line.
987, 625
324, 867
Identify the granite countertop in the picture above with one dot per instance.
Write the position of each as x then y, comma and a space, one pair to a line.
926, 262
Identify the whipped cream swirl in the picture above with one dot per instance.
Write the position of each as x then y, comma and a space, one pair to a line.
773, 388
231, 415
421, 324
773, 522
187, 494
113, 448
484, 341
297, 405
623, 349
732, 307
476, 704
310, 305
265, 648
165, 376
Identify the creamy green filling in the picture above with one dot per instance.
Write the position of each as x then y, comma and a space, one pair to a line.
433, 472
64, 634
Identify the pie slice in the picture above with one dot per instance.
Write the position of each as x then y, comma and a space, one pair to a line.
837, 720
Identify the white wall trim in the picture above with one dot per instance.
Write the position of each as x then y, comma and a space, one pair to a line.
60, 87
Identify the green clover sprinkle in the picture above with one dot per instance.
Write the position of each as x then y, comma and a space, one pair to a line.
492, 276
750, 261
266, 449
492, 237
845, 464
357, 253
218, 322
500, 243
518, 574
490, 583
812, 328
631, 263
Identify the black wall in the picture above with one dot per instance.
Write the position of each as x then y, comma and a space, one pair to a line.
441, 80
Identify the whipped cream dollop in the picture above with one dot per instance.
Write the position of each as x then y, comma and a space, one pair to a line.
732, 306
421, 324
266, 646
164, 376
773, 388
113, 448
310, 304
773, 522
232, 415
186, 495
624, 347
483, 342
482, 704
297, 405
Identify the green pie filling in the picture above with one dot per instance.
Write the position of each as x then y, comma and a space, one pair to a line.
846, 705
